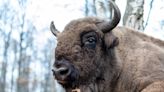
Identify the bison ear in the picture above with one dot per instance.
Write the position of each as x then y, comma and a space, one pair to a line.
110, 40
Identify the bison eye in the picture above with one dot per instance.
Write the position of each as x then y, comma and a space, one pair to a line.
89, 40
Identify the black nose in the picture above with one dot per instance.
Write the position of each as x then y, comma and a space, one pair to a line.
62, 70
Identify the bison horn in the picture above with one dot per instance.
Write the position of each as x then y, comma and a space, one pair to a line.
53, 29
108, 26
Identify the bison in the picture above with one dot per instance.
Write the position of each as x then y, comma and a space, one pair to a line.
93, 55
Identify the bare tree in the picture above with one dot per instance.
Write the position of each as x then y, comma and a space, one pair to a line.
100, 8
5, 62
14, 21
6, 36
90, 8
22, 81
133, 16
15, 51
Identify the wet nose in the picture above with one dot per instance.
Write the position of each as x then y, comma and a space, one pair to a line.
61, 70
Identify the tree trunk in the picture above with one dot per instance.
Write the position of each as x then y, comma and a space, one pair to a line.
104, 9
133, 16
5, 62
13, 67
23, 62
100, 8
90, 8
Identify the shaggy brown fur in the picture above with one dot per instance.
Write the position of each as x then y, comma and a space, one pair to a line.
142, 62
135, 65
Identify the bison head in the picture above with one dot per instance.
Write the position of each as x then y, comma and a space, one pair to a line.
85, 51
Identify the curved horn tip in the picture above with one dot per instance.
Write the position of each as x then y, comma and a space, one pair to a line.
53, 29
52, 22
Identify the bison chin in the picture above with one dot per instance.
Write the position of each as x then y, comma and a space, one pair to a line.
72, 80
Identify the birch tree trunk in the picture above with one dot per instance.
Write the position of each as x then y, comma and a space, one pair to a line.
90, 8
100, 8
133, 16
104, 9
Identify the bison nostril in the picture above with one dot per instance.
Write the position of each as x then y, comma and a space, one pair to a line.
63, 71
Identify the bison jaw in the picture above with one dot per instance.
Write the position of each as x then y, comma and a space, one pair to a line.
74, 80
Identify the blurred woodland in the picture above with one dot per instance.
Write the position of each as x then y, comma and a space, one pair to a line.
26, 51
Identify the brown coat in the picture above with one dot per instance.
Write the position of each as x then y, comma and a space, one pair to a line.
142, 60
